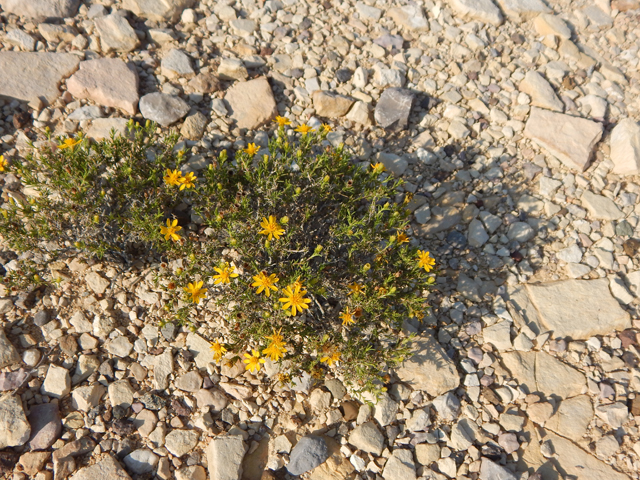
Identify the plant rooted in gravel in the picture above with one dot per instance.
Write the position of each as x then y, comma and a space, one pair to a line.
297, 254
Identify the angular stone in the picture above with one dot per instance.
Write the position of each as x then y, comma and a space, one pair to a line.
498, 335
541, 92
625, 147
212, 398
601, 207
86, 398
243, 27
204, 83
554, 377
393, 163
158, 10
189, 382
368, 12
194, 126
243, 107
551, 25
523, 10
309, 452
410, 17
40, 10
96, 282
162, 108
181, 442
102, 128
120, 346
57, 383
367, 438
578, 309
492, 471
447, 406
8, 353
116, 35
121, 393
106, 467
570, 139
572, 418
232, 69
176, 64
393, 108
386, 410
224, 457
481, 10
107, 81
360, 113
14, 427
400, 465
429, 368
22, 39
33, 462
477, 235
12, 380
57, 33
31, 76
331, 105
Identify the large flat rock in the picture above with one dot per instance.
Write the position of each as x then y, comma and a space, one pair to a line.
577, 463
481, 10
541, 372
158, 10
251, 104
522, 10
569, 139
40, 10
106, 81
625, 147
106, 467
34, 75
578, 309
429, 368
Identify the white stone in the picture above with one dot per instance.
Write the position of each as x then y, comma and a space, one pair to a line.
481, 10
541, 93
522, 10
570, 139
625, 147
601, 207
57, 383
477, 235
224, 455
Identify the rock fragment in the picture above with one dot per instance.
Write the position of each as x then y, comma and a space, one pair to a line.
162, 108
570, 139
541, 92
40, 10
393, 108
158, 10
14, 427
481, 10
224, 457
8, 353
116, 35
308, 453
245, 108
32, 76
625, 147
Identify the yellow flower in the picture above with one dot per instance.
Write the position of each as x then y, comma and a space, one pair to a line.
69, 143
347, 317
276, 338
251, 149
294, 299
425, 261
224, 275
271, 228
274, 351
282, 121
262, 282
378, 167
187, 181
327, 128
196, 291
402, 238
218, 350
304, 129
253, 361
172, 177
170, 231
356, 288
3, 163
331, 359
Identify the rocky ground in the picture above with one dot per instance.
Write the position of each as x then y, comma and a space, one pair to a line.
514, 127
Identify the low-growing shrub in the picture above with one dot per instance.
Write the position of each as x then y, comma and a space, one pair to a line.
298, 254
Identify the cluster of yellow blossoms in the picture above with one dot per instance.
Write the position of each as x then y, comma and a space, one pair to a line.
175, 178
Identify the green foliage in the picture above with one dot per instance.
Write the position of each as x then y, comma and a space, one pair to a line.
337, 241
